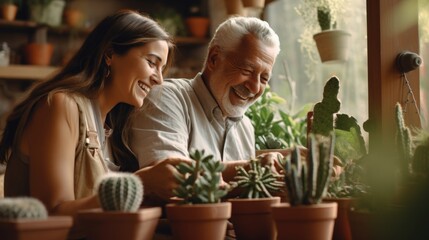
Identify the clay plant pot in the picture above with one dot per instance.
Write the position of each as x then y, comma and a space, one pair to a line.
198, 26
104, 225
254, 3
73, 17
39, 53
305, 221
52, 228
234, 7
8, 11
342, 225
252, 218
199, 221
332, 45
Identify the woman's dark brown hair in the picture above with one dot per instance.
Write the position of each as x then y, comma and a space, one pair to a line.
85, 74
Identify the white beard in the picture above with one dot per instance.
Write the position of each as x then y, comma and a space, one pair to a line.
233, 110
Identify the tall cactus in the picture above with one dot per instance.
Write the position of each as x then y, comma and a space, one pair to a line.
403, 141
257, 182
120, 192
323, 118
307, 181
22, 208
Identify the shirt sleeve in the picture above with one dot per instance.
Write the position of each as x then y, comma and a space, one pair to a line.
160, 129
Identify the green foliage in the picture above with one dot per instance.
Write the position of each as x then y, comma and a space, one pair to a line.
274, 128
258, 182
200, 181
420, 159
120, 192
22, 208
307, 180
323, 119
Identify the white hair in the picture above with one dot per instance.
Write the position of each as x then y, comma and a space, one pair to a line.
229, 34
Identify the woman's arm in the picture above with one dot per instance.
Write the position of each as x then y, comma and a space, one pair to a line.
50, 141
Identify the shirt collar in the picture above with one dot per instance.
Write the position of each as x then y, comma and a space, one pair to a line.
211, 108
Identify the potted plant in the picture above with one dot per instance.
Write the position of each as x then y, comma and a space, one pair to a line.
26, 218
120, 196
306, 216
9, 8
49, 12
197, 21
199, 214
276, 130
251, 211
39, 51
321, 20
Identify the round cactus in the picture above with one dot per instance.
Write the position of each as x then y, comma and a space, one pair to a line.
120, 192
22, 208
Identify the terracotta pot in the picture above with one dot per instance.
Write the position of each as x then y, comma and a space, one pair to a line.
342, 226
304, 222
198, 26
39, 53
103, 225
253, 3
234, 7
73, 17
332, 45
9, 11
199, 221
252, 218
52, 228
361, 225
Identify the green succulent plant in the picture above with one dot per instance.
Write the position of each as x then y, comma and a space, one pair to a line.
199, 182
22, 208
257, 182
120, 192
274, 128
307, 180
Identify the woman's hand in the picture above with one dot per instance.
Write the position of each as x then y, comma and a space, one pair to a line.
159, 180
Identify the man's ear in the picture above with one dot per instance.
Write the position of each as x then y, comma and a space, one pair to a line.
213, 57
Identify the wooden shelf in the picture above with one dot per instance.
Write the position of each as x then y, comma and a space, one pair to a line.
26, 72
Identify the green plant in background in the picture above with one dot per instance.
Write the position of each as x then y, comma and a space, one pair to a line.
403, 141
120, 192
307, 180
171, 20
257, 182
420, 159
22, 208
324, 111
200, 181
274, 128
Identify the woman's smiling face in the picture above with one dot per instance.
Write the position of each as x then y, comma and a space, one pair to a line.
240, 77
137, 71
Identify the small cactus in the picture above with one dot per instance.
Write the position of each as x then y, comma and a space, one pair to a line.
324, 17
22, 208
403, 141
200, 181
120, 192
307, 181
420, 160
258, 182
323, 118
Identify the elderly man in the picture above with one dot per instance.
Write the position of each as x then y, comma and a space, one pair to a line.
207, 112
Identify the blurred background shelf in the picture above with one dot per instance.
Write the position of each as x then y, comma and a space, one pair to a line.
26, 72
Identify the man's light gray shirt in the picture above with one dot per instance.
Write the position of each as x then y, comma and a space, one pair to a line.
181, 115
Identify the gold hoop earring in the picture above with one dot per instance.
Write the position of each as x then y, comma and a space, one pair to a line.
108, 72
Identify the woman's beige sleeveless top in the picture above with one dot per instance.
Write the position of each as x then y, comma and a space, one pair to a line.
89, 164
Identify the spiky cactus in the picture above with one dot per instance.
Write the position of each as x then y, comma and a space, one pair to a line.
200, 181
323, 118
307, 181
258, 182
120, 192
403, 141
22, 208
324, 17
